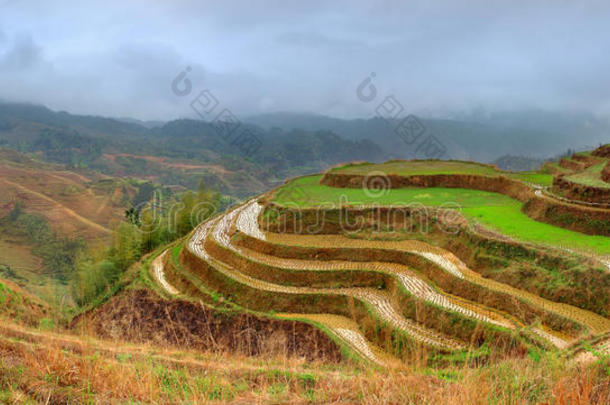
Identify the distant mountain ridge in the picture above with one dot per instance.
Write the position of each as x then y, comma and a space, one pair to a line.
239, 161
480, 137
285, 144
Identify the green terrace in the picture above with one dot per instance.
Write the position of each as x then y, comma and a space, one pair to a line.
493, 210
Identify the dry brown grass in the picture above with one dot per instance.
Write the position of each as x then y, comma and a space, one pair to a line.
68, 200
46, 371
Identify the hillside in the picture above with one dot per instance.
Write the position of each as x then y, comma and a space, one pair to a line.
50, 213
172, 153
82, 205
387, 289
438, 272
358, 284
275, 202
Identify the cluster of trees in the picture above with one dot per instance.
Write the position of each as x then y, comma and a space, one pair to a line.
67, 146
82, 141
160, 222
145, 228
98, 268
90, 271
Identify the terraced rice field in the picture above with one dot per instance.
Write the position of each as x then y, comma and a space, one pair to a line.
450, 263
590, 176
220, 232
426, 167
342, 327
421, 167
496, 211
157, 267
379, 301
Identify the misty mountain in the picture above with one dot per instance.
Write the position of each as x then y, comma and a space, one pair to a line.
239, 161
12, 115
483, 137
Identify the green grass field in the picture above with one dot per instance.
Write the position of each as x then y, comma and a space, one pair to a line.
542, 179
496, 211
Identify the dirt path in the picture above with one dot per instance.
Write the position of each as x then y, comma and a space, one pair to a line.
63, 208
158, 271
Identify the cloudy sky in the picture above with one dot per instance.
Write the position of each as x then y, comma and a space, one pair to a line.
119, 58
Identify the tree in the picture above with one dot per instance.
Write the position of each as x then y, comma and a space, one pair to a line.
126, 246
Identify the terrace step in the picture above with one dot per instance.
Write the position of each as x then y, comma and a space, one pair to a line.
343, 328
452, 265
378, 301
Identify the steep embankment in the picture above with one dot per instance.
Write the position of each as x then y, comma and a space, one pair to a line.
606, 173
142, 317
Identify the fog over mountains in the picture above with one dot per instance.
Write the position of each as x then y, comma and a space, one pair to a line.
480, 87
481, 137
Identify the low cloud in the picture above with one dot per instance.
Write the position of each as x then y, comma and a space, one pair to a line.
119, 59
22, 53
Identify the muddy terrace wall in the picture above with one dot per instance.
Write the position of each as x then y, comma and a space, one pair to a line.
498, 184
588, 220
413, 218
602, 151
606, 173
582, 192
572, 164
296, 278
570, 216
383, 335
